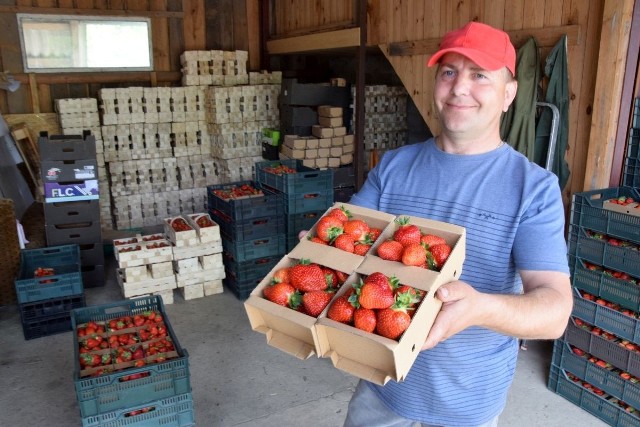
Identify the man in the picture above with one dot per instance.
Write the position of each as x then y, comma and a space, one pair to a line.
515, 279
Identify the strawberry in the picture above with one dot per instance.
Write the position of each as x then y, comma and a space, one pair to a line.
331, 276
414, 254
282, 294
390, 250
344, 242
361, 249
306, 276
440, 254
431, 240
414, 292
342, 276
375, 296
341, 213
328, 228
341, 310
406, 233
365, 319
373, 234
281, 275
382, 280
393, 321
315, 301
356, 228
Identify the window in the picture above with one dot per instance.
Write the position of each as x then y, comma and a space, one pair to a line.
56, 43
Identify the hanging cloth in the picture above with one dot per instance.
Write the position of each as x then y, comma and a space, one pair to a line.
518, 124
556, 69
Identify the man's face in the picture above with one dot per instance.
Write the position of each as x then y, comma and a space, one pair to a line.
469, 99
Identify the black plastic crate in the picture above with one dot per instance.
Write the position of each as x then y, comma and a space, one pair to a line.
304, 181
608, 380
46, 326
296, 222
93, 276
307, 202
173, 411
66, 147
67, 280
603, 285
79, 233
344, 176
253, 269
598, 251
343, 194
69, 170
241, 288
269, 204
599, 406
587, 211
34, 311
610, 351
92, 254
249, 229
57, 213
245, 250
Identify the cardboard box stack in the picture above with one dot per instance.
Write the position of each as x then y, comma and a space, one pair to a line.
385, 119
71, 205
187, 256
366, 355
48, 287
597, 363
142, 377
306, 192
252, 227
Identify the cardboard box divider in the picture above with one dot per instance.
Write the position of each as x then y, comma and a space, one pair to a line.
365, 355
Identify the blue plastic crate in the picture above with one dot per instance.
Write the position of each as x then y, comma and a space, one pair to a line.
295, 203
305, 180
605, 379
596, 405
270, 204
45, 326
587, 211
67, 280
174, 411
107, 392
53, 307
245, 250
598, 251
607, 287
248, 229
252, 269
297, 222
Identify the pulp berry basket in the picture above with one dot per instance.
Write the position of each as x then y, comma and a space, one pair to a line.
117, 390
67, 278
304, 180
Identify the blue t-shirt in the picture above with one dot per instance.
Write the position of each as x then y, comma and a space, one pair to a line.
514, 218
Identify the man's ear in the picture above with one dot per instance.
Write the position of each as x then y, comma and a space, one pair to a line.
510, 90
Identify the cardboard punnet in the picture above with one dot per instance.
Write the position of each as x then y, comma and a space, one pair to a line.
373, 357
285, 329
630, 209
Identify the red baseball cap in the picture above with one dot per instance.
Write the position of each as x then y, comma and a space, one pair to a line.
488, 47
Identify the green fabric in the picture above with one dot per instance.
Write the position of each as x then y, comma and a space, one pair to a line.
518, 124
556, 69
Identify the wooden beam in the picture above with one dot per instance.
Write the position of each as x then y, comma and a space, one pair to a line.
545, 37
33, 89
315, 42
253, 34
194, 25
111, 77
614, 43
91, 12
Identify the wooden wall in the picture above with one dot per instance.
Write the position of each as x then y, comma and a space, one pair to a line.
408, 32
177, 25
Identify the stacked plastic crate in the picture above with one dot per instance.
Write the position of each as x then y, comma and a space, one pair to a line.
48, 287
252, 225
597, 363
307, 193
71, 199
141, 376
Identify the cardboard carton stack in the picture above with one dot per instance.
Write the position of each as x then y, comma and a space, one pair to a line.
363, 354
72, 209
385, 119
252, 227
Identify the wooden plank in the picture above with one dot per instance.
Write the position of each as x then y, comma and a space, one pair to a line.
46, 103
514, 20
194, 24
33, 89
137, 5
544, 36
117, 4
253, 34
31, 157
111, 77
534, 13
160, 43
101, 8
18, 101
315, 42
376, 25
240, 27
614, 41
83, 4
494, 11
45, 3
157, 4
553, 13
176, 45
66, 3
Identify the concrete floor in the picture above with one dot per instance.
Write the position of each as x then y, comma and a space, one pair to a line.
236, 378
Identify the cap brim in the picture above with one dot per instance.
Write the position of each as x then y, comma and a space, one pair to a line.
479, 58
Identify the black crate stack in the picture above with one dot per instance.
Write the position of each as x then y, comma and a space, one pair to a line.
72, 207
252, 228
596, 365
307, 193
48, 287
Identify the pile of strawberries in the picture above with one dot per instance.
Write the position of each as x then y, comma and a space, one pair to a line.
237, 192
124, 342
339, 229
377, 304
279, 169
180, 224
409, 246
306, 287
